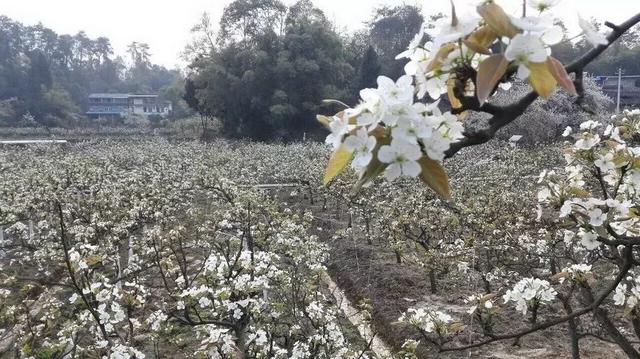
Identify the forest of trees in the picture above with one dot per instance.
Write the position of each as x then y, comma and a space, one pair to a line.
45, 78
265, 73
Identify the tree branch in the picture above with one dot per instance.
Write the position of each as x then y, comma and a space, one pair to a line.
624, 269
503, 115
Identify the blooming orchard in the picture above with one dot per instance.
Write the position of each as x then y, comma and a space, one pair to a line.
122, 253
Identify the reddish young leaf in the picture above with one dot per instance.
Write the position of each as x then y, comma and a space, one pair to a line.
499, 21
441, 55
490, 72
480, 40
434, 176
560, 74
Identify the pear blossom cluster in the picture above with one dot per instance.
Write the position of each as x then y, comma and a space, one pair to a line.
427, 320
395, 125
414, 127
598, 188
628, 293
479, 303
529, 293
577, 272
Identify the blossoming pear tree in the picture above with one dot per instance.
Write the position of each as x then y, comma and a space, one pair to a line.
397, 129
402, 133
592, 208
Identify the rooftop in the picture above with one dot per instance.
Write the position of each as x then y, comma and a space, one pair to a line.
109, 95
120, 95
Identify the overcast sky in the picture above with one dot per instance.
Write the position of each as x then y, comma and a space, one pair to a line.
165, 24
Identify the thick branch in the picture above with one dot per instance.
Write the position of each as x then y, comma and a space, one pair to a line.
504, 115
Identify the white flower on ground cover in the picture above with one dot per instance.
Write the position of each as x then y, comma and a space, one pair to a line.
589, 240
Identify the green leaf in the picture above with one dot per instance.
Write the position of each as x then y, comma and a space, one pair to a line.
490, 72
560, 74
434, 176
541, 79
337, 163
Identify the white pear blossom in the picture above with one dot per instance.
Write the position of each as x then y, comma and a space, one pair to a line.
591, 34
401, 157
427, 320
435, 85
589, 240
596, 217
590, 125
414, 45
605, 163
523, 50
445, 31
205, 302
587, 141
620, 295
361, 144
530, 290
542, 5
339, 127
400, 92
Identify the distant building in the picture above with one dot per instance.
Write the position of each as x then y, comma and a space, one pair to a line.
118, 105
629, 89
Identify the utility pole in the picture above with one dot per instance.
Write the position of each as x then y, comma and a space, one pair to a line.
619, 88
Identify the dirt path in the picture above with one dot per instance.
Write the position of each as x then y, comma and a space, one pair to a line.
379, 348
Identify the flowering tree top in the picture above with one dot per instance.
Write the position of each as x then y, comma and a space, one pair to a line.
396, 130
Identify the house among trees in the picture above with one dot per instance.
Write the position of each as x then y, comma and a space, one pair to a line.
629, 89
118, 105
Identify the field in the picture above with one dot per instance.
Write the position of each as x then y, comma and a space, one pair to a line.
188, 250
